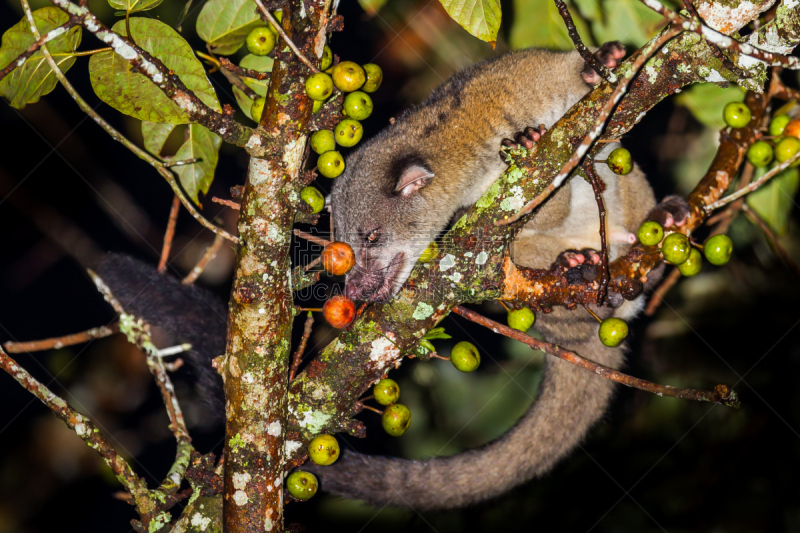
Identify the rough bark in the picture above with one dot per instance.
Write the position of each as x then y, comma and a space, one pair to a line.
256, 363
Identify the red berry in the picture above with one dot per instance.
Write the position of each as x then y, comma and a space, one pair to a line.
338, 258
339, 311
792, 128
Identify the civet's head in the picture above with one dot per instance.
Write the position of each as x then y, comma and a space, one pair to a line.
380, 210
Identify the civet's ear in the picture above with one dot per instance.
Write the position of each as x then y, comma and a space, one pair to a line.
413, 178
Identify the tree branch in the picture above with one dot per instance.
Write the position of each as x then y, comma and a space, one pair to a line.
49, 36
754, 185
724, 41
722, 394
585, 53
255, 367
166, 80
210, 253
138, 332
86, 430
60, 342
629, 72
117, 136
169, 234
267, 15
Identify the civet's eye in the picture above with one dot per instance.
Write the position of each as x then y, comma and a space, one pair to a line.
373, 236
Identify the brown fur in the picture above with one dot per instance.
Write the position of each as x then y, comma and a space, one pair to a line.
456, 135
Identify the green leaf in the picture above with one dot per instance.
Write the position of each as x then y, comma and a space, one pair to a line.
706, 102
261, 64
132, 6
131, 92
436, 333
155, 135
774, 201
371, 6
197, 177
538, 24
427, 345
224, 24
590, 10
245, 103
629, 21
26, 84
481, 18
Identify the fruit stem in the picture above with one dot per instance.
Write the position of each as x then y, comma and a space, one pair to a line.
593, 314
370, 408
437, 356
313, 263
88, 52
310, 309
312, 238
211, 59
275, 24
505, 306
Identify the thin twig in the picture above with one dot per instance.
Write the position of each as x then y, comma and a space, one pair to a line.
169, 234
729, 214
230, 203
598, 187
370, 408
581, 150
117, 136
722, 40
297, 358
721, 394
753, 186
275, 24
237, 82
661, 291
585, 53
314, 262
84, 428
226, 64
60, 342
209, 254
184, 13
172, 366
182, 162
138, 332
772, 238
311, 238
166, 80
90, 52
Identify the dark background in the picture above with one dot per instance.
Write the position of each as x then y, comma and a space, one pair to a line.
69, 194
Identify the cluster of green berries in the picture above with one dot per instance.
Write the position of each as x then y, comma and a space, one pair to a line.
784, 145
677, 249
323, 450
396, 417
785, 132
357, 81
260, 42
